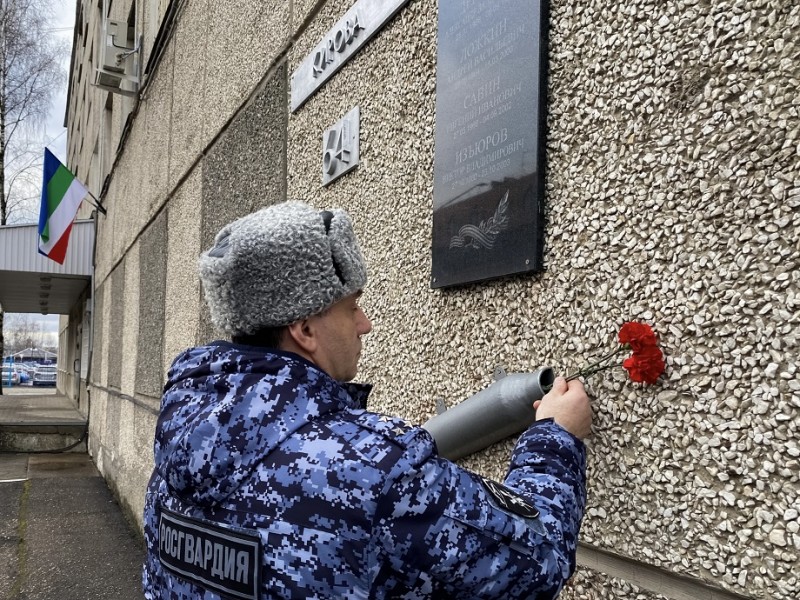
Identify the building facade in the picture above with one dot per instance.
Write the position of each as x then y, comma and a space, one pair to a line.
671, 196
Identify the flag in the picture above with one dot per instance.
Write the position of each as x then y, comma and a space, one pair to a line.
62, 194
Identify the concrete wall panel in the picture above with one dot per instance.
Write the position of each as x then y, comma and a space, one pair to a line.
140, 450
599, 586
186, 56
97, 419
137, 197
126, 214
130, 321
104, 240
152, 170
244, 40
134, 457
302, 10
125, 451
110, 438
182, 297
246, 168
152, 282
116, 313
663, 148
99, 373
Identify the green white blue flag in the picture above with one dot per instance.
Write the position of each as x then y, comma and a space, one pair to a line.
62, 194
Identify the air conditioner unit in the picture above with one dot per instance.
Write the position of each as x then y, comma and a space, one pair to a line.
118, 61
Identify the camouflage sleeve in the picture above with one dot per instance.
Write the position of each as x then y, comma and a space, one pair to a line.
444, 532
548, 465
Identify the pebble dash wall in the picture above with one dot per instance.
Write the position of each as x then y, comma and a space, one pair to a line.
672, 195
673, 190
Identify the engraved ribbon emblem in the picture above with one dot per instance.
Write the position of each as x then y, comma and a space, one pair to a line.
484, 234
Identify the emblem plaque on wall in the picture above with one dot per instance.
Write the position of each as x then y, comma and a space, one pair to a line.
491, 93
340, 147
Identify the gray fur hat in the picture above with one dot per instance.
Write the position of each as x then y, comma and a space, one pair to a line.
280, 264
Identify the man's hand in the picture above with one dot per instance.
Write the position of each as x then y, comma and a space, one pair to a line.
568, 404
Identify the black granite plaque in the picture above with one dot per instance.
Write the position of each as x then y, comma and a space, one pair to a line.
491, 93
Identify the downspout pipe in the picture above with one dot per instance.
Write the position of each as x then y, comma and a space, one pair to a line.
503, 409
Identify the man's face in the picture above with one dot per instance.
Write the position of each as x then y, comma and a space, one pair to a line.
340, 329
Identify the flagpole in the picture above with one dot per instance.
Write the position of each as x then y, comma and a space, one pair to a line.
97, 203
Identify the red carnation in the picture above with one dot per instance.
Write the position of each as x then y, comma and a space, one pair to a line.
637, 335
646, 365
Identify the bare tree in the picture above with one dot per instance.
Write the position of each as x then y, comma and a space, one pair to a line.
30, 73
23, 179
23, 331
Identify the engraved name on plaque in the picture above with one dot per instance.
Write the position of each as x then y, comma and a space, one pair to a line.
488, 197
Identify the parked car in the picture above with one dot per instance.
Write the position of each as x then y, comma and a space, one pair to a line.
10, 375
25, 373
45, 375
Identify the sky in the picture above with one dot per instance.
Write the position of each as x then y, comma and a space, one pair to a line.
54, 135
63, 24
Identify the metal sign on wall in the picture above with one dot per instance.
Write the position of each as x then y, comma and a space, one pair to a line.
491, 94
340, 148
364, 19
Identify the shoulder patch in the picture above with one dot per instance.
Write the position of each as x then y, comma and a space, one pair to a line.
390, 427
212, 557
510, 500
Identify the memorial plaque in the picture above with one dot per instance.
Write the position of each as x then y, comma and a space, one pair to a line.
491, 94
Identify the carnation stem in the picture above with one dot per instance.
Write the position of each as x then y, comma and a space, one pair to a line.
598, 365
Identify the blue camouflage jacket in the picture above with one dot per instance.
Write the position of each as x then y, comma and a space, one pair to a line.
271, 480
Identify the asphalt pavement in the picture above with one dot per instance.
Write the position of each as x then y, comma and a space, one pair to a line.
62, 534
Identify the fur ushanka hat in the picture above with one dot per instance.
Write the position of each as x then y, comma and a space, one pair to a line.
278, 265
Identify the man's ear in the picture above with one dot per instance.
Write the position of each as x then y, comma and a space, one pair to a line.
302, 335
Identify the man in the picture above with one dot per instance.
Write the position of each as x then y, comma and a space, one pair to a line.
273, 481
